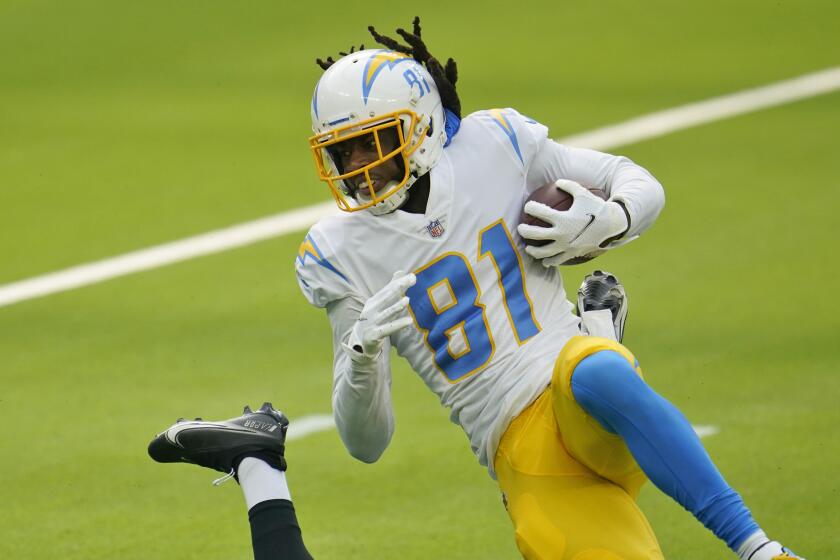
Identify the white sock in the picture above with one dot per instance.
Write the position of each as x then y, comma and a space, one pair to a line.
260, 482
598, 323
759, 547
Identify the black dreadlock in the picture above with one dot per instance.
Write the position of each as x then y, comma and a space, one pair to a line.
324, 64
445, 77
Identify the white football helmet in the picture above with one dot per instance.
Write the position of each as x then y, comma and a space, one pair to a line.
365, 93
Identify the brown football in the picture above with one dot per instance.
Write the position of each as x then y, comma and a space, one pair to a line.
558, 199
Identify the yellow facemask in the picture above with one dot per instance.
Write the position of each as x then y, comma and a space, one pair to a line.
351, 199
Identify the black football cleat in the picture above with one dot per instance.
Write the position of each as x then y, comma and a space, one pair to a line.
221, 445
602, 290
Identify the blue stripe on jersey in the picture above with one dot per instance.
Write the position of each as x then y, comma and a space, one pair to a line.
500, 119
310, 249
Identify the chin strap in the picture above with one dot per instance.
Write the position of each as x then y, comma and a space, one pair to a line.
451, 125
393, 202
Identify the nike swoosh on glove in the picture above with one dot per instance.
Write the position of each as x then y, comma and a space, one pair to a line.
383, 314
587, 227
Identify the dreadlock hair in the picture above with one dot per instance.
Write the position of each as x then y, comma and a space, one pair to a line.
445, 77
324, 64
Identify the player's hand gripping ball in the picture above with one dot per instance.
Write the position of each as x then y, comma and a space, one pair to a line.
552, 197
559, 219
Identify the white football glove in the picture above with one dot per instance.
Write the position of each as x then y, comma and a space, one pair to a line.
382, 315
585, 229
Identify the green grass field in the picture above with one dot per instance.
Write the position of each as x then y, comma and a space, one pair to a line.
124, 125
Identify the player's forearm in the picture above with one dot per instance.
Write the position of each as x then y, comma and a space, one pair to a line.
361, 396
642, 195
625, 181
362, 408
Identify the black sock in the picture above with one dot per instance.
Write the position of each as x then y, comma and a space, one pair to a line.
275, 533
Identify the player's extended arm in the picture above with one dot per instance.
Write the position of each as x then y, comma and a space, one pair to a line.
362, 375
635, 200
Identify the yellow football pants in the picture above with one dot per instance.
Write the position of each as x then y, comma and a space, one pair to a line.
570, 486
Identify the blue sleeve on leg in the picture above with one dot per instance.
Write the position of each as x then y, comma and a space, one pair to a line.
663, 443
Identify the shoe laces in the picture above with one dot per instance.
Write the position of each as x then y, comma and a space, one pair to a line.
221, 480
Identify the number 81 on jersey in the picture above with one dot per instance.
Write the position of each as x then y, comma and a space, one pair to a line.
445, 303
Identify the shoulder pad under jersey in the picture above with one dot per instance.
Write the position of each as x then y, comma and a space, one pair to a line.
320, 277
522, 136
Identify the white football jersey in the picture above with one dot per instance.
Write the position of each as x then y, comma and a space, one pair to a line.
489, 320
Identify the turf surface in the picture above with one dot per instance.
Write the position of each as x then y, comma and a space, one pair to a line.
126, 125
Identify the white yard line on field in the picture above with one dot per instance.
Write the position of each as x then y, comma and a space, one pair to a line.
635, 130
705, 431
311, 424
714, 109
168, 253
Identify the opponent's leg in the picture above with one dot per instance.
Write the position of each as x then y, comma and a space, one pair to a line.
606, 384
249, 448
560, 508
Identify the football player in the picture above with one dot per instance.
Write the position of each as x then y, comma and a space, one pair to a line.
428, 258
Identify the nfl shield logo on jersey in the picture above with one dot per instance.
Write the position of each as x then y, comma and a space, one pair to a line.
435, 228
